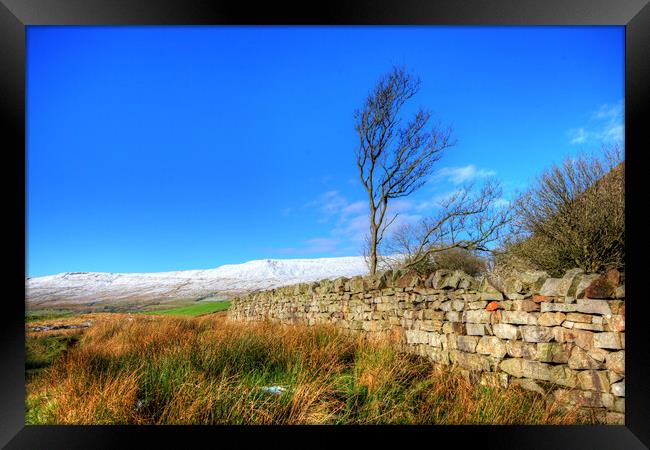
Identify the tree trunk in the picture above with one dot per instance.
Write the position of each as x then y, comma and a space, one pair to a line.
373, 250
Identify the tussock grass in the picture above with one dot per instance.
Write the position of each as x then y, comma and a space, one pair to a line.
206, 370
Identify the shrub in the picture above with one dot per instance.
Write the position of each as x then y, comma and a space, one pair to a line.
573, 216
452, 259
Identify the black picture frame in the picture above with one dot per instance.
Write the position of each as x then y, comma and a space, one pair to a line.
15, 15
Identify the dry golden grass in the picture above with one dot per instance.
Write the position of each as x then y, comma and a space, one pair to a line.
164, 370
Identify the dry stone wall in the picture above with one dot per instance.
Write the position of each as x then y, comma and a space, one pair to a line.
562, 337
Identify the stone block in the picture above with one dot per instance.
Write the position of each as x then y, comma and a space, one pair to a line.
431, 325
515, 317
505, 331
591, 306
615, 361
619, 405
615, 323
453, 327
431, 314
550, 319
513, 285
453, 316
505, 305
457, 305
384, 307
589, 326
609, 340
585, 281
409, 279
442, 279
594, 380
412, 336
487, 285
618, 389
589, 399
614, 377
467, 343
466, 281
491, 345
532, 280
601, 287
490, 296
561, 307
550, 287
494, 379
356, 285
580, 359
428, 282
437, 339
579, 317
531, 333
476, 316
563, 376
437, 355
523, 368
554, 352
477, 329
569, 283
620, 292
525, 305
477, 305
582, 338
471, 361
520, 349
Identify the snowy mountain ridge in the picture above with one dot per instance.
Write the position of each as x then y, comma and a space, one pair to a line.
93, 288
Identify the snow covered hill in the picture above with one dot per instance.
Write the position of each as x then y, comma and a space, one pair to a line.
98, 288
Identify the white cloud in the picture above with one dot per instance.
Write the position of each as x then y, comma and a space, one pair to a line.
607, 125
354, 208
606, 111
460, 175
578, 136
352, 228
330, 203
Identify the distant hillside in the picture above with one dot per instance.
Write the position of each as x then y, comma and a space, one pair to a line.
98, 289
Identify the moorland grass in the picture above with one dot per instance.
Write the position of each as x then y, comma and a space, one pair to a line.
168, 370
41, 351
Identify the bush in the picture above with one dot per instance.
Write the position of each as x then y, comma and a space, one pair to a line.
452, 259
573, 216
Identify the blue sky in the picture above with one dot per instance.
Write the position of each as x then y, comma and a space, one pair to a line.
171, 148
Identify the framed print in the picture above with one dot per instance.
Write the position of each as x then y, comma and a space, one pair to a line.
282, 224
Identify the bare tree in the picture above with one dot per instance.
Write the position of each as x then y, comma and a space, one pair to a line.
468, 220
393, 159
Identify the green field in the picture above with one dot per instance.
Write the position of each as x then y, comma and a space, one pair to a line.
46, 314
197, 309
